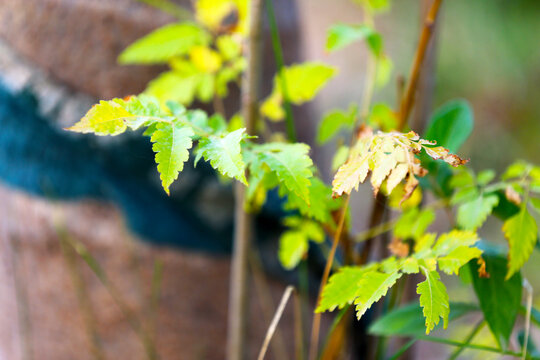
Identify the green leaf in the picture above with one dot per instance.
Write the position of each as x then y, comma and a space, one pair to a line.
223, 153
292, 247
105, 118
291, 164
520, 231
516, 170
304, 81
321, 204
484, 177
535, 203
451, 125
383, 117
342, 288
372, 286
472, 214
171, 144
409, 320
164, 43
413, 223
458, 257
450, 241
384, 70
499, 298
433, 300
340, 157
334, 121
173, 86
339, 36
114, 116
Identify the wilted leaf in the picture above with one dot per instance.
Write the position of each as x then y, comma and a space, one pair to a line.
389, 156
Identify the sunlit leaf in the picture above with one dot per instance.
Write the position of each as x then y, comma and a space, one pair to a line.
521, 232
472, 214
223, 153
164, 43
342, 288
372, 286
171, 144
433, 300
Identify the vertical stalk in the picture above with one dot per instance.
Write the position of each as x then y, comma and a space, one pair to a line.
427, 30
280, 64
238, 309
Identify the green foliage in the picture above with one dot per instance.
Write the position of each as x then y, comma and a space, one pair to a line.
289, 163
341, 35
521, 231
164, 43
342, 288
409, 320
172, 130
499, 297
473, 213
294, 243
413, 223
433, 299
301, 83
206, 58
223, 153
171, 144
371, 287
334, 121
451, 125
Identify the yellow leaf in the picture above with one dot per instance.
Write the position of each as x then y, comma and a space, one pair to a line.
205, 59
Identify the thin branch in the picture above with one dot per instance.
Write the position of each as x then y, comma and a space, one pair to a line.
314, 343
427, 30
81, 292
467, 340
238, 299
471, 346
265, 299
275, 320
529, 290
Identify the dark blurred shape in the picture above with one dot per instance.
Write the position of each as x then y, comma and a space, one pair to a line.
43, 161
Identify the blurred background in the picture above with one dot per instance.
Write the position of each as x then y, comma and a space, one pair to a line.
57, 57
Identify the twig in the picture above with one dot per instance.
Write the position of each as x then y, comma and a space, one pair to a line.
238, 299
23, 309
82, 295
265, 298
314, 343
529, 290
425, 36
298, 328
133, 321
275, 320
